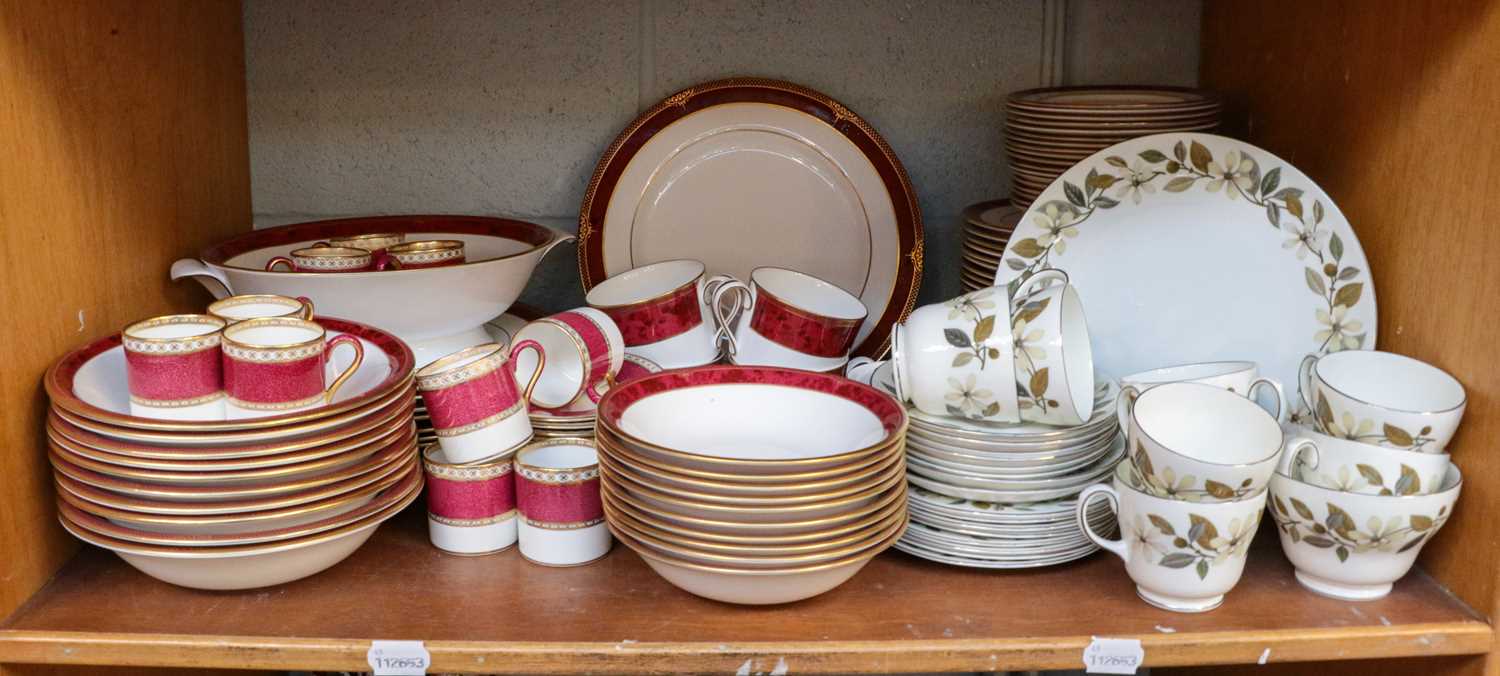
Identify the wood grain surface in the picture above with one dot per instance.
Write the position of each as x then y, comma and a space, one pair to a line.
123, 133
1391, 106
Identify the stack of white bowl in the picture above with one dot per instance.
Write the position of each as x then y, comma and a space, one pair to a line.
988, 495
752, 485
233, 504
1369, 481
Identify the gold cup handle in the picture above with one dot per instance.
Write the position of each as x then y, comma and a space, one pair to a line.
280, 260
307, 310
359, 358
541, 364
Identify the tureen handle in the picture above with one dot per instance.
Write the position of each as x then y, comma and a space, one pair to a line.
192, 267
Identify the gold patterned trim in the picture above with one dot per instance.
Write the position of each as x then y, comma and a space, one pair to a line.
558, 477
210, 338
272, 355
278, 405
470, 523
481, 424
370, 242
331, 258
841, 115
575, 525
177, 403
436, 376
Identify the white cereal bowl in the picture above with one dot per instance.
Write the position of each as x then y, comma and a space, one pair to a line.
791, 526
720, 418
1351, 546
757, 587
436, 310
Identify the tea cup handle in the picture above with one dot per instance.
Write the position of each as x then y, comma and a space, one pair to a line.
384, 261
192, 267
743, 303
541, 363
713, 283
1296, 450
307, 308
279, 260
854, 365
322, 243
1032, 284
359, 358
1282, 410
1125, 405
1304, 383
1084, 500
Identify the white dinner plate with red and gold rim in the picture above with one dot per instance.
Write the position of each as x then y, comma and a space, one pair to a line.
91, 383
1225, 252
749, 172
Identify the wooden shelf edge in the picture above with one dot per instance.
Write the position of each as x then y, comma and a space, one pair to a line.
1005, 654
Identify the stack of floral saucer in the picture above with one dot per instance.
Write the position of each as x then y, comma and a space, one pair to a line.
986, 230
1047, 131
987, 495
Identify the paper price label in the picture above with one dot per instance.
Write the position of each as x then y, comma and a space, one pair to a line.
398, 658
1113, 656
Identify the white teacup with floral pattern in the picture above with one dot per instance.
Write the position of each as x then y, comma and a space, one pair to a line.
1382, 398
1199, 443
1054, 361
1182, 556
954, 358
1353, 467
1352, 546
1240, 377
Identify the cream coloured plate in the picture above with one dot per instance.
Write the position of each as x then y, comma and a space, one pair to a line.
739, 184
1224, 252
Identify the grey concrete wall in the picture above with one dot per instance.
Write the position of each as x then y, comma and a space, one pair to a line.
466, 106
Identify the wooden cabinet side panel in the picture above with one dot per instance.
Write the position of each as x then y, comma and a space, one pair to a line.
123, 133
1391, 107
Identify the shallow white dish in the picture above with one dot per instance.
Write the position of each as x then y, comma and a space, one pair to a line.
1211, 264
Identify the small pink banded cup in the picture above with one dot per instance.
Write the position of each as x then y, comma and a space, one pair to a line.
432, 253
172, 366
557, 493
471, 508
331, 259
279, 365
475, 404
585, 351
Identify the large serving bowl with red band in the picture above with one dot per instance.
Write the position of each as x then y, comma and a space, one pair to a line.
437, 310
752, 484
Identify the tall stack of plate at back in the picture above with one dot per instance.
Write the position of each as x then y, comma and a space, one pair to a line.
752, 485
987, 227
1047, 131
233, 504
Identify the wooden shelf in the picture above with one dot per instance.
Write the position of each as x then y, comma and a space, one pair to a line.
501, 614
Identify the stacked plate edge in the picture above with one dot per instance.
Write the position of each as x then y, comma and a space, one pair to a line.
1049, 130
986, 228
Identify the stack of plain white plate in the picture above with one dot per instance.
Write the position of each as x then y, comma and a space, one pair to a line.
1047, 131
1002, 496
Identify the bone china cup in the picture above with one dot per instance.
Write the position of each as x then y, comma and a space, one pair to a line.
1240, 377
585, 351
471, 508
1353, 467
373, 242
1182, 556
795, 320
662, 312
279, 365
328, 259
433, 253
476, 407
1352, 546
954, 358
256, 306
173, 369
1199, 443
1382, 398
562, 513
1054, 360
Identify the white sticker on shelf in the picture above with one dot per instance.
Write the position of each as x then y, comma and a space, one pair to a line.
398, 658
1113, 656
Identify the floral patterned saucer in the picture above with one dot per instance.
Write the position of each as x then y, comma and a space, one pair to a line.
1196, 247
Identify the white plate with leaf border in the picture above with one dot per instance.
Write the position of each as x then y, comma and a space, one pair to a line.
1039, 510
1077, 482
1189, 247
996, 564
